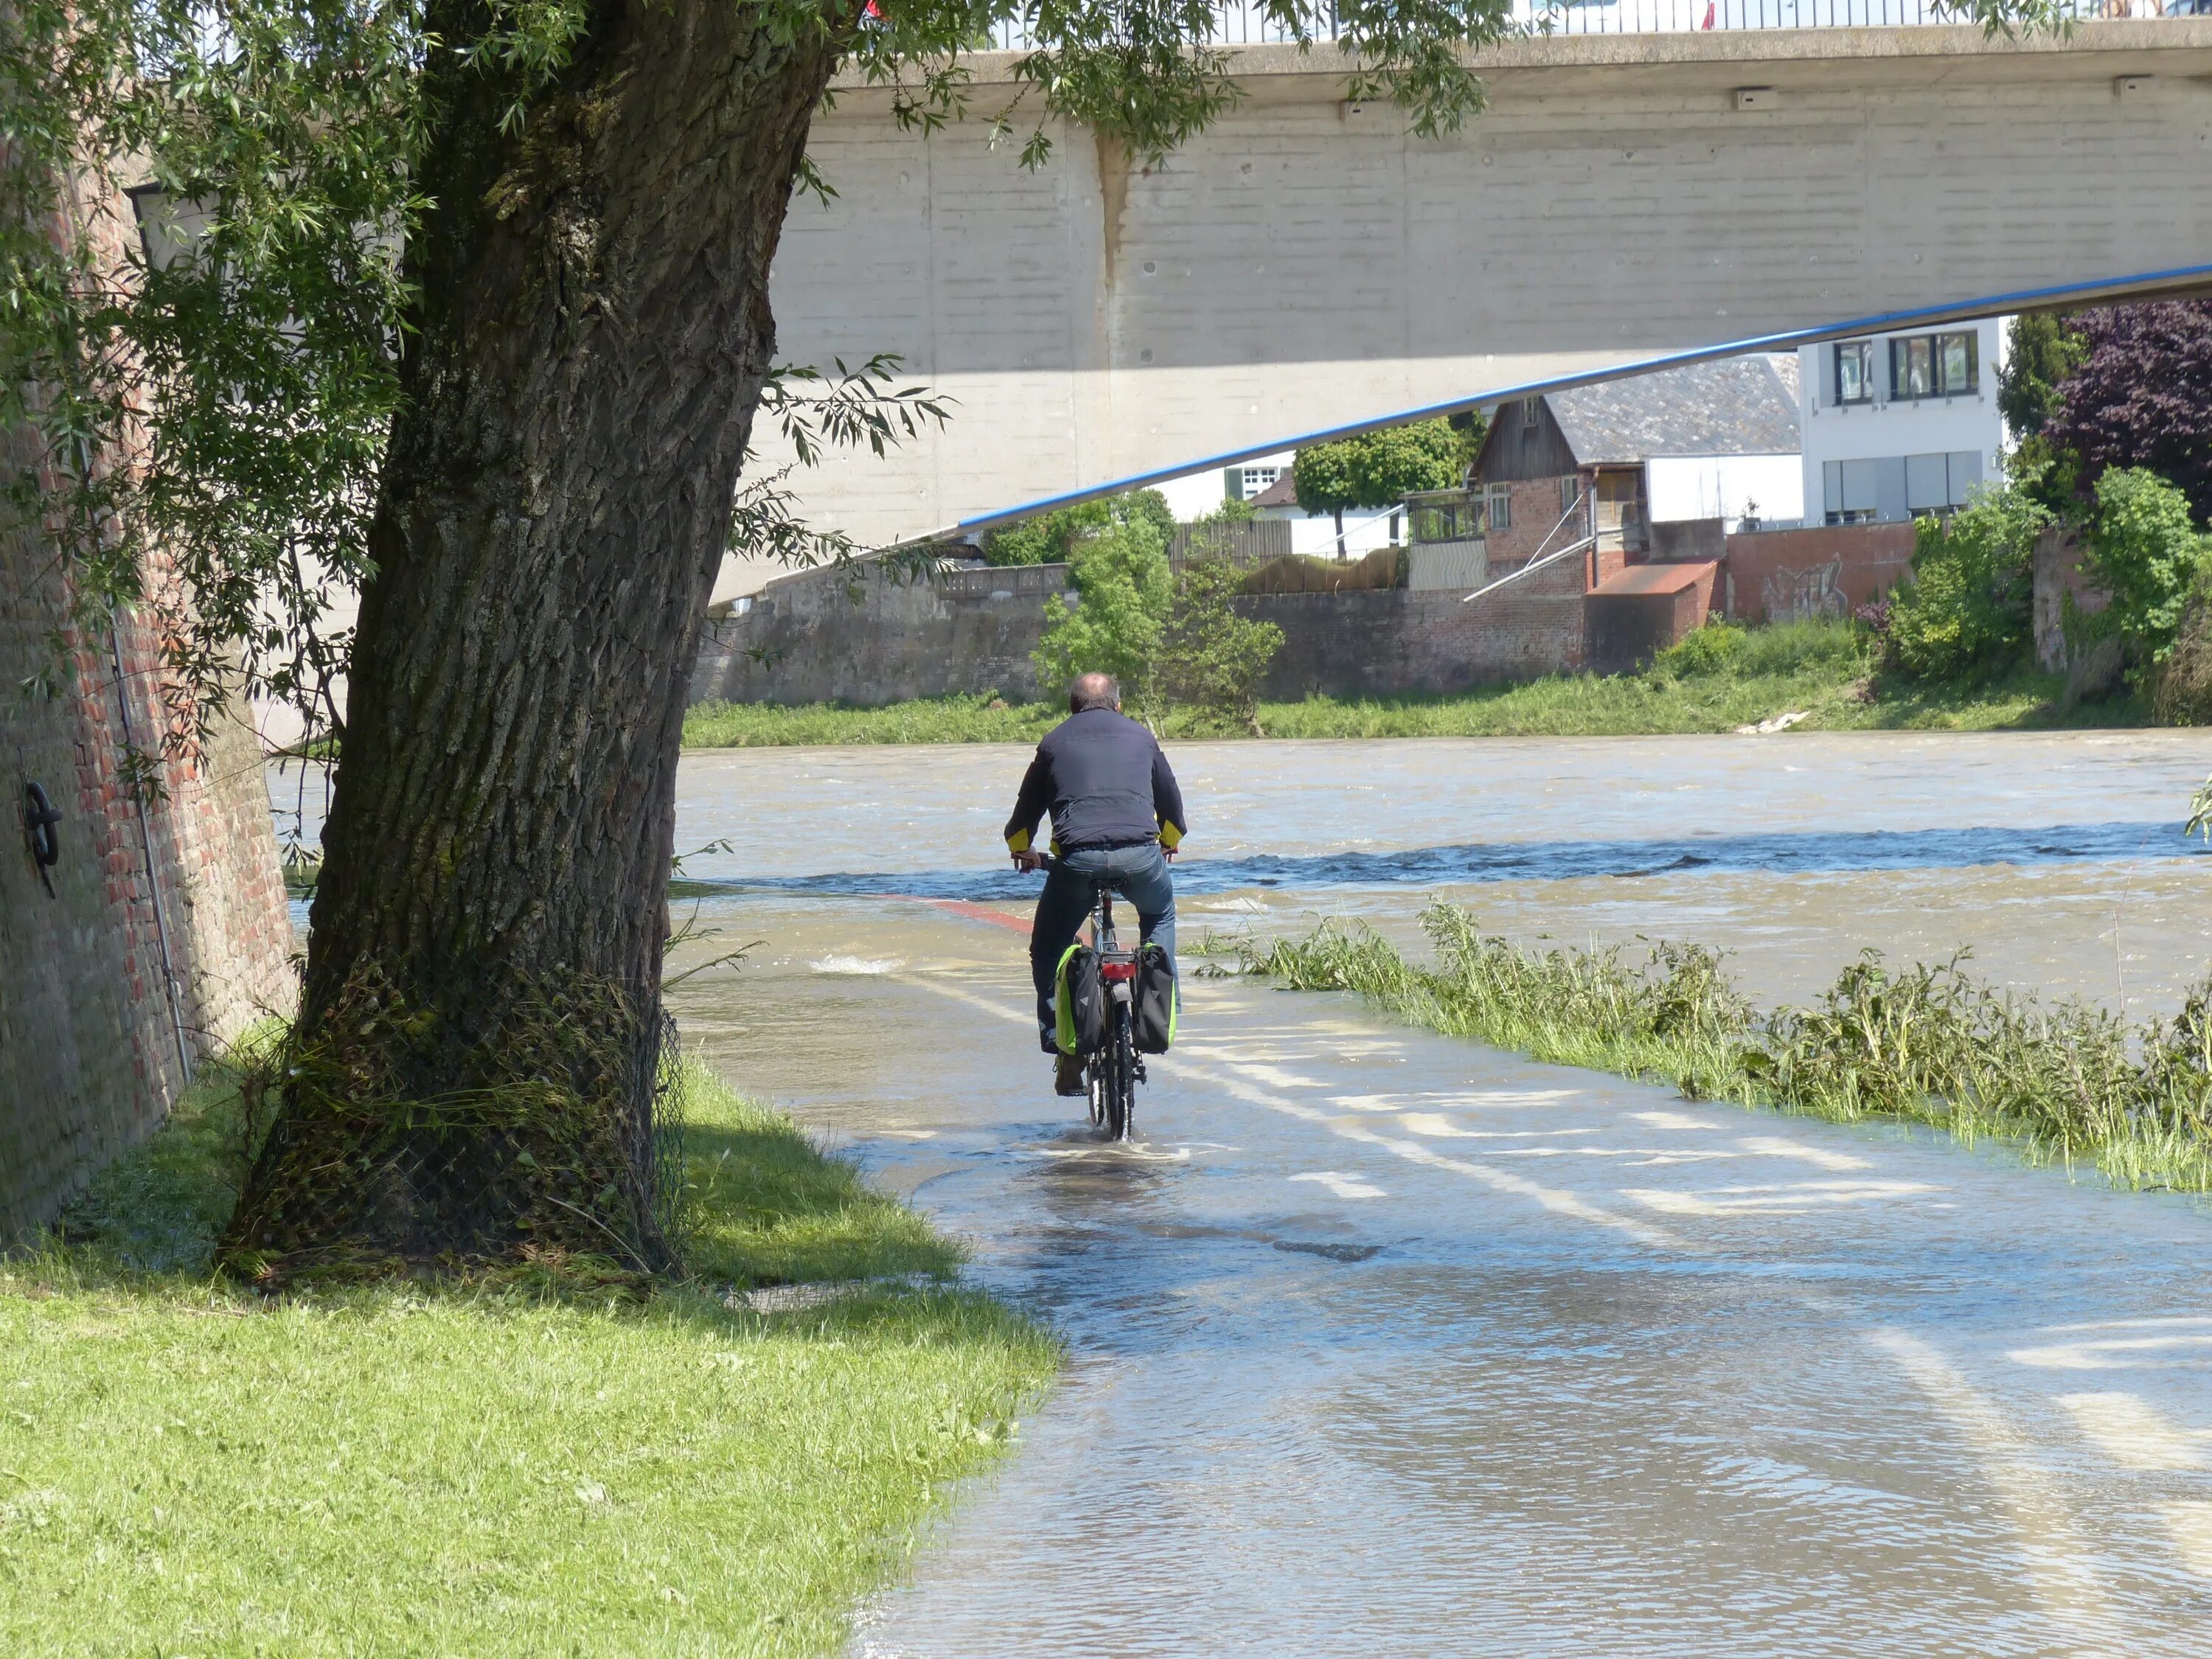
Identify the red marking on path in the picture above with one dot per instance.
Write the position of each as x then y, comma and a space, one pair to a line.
966, 908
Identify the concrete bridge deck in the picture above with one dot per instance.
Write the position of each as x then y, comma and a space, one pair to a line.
1310, 266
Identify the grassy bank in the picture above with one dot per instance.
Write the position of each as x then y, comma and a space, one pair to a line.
1815, 669
2067, 1083
187, 1469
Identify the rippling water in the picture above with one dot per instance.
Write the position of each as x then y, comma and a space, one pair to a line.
1787, 852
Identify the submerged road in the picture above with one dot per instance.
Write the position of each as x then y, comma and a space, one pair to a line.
1385, 1343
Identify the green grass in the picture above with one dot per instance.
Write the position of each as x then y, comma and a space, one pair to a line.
2062, 1083
932, 720
185, 1468
1819, 669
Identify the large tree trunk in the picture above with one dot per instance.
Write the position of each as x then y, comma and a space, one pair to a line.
473, 1066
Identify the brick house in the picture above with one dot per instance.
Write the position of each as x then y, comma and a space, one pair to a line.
1654, 470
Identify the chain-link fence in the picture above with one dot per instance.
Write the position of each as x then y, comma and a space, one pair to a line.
508, 1117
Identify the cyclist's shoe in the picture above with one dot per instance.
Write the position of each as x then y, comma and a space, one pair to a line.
1067, 1077
1048, 1042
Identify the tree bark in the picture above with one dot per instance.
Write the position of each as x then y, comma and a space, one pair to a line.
472, 1070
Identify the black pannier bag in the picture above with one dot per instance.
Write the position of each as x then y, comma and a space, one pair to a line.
1153, 1016
1080, 1002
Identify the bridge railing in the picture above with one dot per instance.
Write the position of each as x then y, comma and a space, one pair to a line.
1239, 22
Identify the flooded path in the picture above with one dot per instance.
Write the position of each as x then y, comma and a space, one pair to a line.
1384, 1343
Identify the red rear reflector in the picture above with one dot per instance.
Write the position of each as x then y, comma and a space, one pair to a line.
1115, 970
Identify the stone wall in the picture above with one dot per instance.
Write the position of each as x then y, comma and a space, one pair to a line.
871, 637
869, 640
1394, 642
162, 930
2059, 574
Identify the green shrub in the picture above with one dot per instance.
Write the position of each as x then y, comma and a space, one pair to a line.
1121, 575
2181, 684
2146, 554
1707, 651
1052, 537
1814, 644
1965, 613
1211, 660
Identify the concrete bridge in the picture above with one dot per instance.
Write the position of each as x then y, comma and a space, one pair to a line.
1628, 200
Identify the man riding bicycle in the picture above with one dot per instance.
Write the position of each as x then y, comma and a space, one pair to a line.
1117, 820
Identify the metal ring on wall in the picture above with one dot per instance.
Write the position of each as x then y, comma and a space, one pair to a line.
39, 817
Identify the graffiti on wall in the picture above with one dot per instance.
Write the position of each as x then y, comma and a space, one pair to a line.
1798, 595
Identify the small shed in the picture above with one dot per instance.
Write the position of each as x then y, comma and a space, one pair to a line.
1634, 614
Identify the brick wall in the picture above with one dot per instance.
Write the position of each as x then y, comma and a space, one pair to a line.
111, 983
1536, 513
1781, 575
818, 638
1396, 642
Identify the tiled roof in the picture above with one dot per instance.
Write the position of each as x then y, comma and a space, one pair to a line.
1281, 493
1785, 366
1738, 406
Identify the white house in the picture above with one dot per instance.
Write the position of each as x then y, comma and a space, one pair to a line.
1900, 424
1365, 529
1264, 483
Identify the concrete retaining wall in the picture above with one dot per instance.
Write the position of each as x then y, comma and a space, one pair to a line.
872, 639
869, 638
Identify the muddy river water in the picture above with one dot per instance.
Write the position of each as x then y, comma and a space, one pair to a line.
1387, 1344
1383, 1343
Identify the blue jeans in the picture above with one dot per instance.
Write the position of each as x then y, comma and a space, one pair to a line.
1138, 873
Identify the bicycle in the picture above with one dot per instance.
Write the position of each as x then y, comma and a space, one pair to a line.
1114, 1072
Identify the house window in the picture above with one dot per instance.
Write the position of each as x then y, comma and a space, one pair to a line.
1935, 365
1957, 367
1927, 483
1532, 413
1851, 490
1243, 483
1855, 372
1497, 505
1570, 491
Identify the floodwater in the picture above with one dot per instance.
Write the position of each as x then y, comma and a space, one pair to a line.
1384, 1343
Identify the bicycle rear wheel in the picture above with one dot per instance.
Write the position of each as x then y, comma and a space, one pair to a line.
1119, 1062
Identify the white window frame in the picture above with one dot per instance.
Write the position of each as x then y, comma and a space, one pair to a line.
1862, 353
1497, 507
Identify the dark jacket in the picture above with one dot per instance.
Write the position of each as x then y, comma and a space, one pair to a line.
1106, 784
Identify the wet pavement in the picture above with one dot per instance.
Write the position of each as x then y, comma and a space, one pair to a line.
1384, 1343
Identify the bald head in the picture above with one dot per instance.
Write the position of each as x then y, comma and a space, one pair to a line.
1093, 691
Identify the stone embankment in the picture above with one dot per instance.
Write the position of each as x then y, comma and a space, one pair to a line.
824, 636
